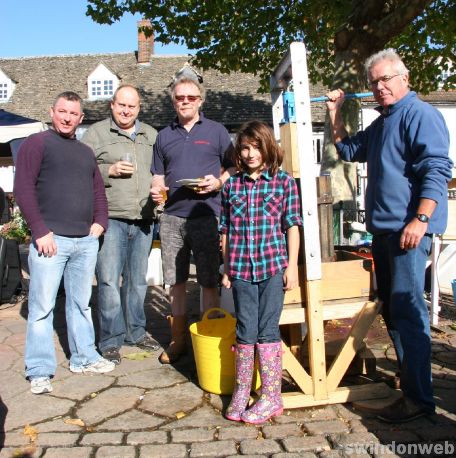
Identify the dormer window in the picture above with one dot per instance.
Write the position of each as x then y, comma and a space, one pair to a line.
6, 88
102, 83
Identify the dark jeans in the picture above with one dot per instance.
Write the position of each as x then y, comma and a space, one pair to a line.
258, 307
400, 280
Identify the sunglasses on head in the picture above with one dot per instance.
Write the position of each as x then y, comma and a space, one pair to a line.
190, 98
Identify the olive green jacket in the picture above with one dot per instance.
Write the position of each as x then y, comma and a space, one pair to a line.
128, 198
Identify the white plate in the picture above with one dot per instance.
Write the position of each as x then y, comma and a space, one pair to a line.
190, 181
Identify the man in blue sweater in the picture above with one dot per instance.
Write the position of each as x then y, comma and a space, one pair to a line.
60, 192
406, 150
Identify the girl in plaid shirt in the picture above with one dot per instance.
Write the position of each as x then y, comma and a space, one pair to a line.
259, 223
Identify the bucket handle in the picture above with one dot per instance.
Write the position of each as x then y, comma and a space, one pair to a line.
227, 316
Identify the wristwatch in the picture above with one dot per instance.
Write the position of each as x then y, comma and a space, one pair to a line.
422, 217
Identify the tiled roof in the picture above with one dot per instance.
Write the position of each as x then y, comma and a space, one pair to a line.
231, 99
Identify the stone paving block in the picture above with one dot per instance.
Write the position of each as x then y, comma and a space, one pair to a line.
192, 435
317, 428
56, 439
14, 439
161, 377
163, 451
102, 439
116, 451
281, 431
331, 454
79, 388
357, 426
58, 425
108, 403
398, 436
20, 451
185, 397
30, 409
130, 421
294, 455
264, 446
305, 444
201, 417
349, 441
238, 433
439, 433
308, 414
12, 383
213, 449
147, 437
74, 452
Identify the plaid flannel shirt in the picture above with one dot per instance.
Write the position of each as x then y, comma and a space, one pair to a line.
255, 216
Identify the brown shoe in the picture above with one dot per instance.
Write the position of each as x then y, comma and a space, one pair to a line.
402, 411
177, 345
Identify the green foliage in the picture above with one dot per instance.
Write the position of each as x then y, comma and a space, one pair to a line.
252, 36
16, 228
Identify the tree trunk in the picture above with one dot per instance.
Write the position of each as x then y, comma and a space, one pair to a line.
348, 76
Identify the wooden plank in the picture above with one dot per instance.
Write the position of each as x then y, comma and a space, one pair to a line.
296, 371
353, 343
325, 218
336, 311
316, 339
289, 144
349, 276
341, 395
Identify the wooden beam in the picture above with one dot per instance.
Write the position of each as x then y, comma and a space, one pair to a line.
296, 371
353, 343
341, 395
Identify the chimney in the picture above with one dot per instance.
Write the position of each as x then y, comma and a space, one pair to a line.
145, 44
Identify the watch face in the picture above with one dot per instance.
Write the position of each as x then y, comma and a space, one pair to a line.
422, 218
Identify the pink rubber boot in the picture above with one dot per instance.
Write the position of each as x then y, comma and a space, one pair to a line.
270, 402
245, 357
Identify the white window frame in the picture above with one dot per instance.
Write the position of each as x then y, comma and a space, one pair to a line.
6, 88
101, 83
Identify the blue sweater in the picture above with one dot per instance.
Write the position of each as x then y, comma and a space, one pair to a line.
406, 152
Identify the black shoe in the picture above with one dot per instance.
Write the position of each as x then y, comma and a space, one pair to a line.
147, 343
402, 411
112, 354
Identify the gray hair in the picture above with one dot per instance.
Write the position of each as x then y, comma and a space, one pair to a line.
386, 54
186, 80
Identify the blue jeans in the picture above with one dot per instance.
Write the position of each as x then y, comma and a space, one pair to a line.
124, 252
75, 260
258, 308
400, 281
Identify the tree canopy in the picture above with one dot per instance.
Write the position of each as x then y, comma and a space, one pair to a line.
252, 35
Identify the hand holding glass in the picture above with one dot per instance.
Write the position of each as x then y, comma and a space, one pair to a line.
164, 195
127, 157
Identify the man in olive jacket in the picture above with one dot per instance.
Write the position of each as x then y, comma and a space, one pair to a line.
123, 147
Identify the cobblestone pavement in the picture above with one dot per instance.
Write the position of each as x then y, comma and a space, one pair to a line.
145, 410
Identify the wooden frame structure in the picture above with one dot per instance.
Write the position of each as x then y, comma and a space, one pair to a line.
319, 385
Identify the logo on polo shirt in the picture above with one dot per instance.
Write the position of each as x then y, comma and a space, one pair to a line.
201, 142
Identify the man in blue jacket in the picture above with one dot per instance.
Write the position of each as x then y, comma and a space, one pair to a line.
406, 150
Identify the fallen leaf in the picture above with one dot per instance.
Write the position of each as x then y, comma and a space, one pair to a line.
93, 395
180, 415
138, 356
31, 432
25, 451
74, 421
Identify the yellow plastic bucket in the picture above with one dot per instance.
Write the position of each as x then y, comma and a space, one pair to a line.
212, 339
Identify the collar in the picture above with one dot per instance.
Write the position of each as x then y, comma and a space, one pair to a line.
115, 127
390, 109
175, 123
264, 174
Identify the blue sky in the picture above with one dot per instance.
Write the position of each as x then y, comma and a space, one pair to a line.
56, 27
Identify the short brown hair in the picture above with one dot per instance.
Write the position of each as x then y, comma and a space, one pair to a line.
70, 96
260, 133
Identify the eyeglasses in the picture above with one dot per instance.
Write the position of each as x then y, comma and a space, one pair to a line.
383, 79
190, 98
